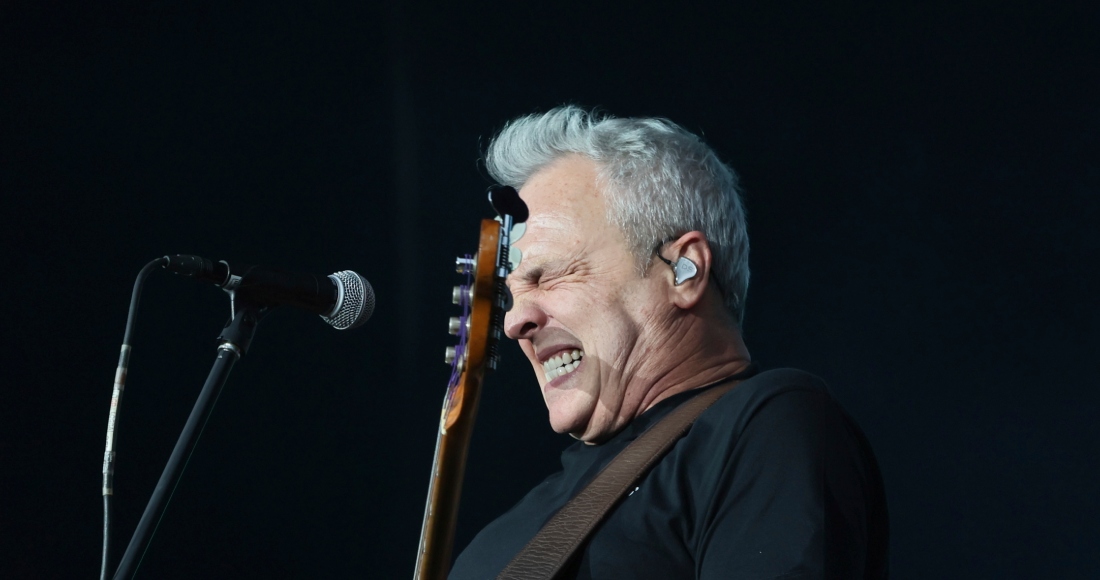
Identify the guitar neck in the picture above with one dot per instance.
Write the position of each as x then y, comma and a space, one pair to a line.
445, 490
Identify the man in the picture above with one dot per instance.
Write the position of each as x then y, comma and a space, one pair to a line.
772, 481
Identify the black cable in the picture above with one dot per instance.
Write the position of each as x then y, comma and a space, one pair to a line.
116, 400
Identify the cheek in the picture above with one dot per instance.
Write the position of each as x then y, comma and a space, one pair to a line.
601, 325
606, 319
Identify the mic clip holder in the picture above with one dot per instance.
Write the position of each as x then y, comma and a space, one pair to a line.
239, 331
232, 283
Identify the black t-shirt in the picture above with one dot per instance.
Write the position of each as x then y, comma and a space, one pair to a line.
772, 481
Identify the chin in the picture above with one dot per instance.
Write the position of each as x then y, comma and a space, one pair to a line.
564, 425
565, 422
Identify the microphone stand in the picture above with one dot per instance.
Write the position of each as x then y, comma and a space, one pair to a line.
235, 339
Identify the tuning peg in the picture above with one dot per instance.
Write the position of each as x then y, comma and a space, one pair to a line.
464, 265
504, 300
514, 257
506, 200
459, 291
517, 230
449, 358
455, 324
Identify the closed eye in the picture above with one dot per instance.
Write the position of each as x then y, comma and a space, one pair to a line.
538, 277
534, 276
524, 280
541, 275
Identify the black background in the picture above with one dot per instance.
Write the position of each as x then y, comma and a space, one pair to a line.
921, 182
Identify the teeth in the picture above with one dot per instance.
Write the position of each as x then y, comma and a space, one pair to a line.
564, 363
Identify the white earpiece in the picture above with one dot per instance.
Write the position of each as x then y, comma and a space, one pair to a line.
684, 270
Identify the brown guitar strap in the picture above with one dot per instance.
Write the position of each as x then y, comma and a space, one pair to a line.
549, 551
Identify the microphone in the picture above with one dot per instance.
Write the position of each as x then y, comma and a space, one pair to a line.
344, 299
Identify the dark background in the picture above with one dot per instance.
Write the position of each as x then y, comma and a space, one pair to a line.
921, 182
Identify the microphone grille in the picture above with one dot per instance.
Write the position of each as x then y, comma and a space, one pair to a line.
355, 300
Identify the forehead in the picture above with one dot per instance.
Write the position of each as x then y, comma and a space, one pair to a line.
568, 214
564, 200
567, 182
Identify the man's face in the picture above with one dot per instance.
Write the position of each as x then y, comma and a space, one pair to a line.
577, 293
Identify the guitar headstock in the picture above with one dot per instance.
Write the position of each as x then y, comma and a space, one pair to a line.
484, 297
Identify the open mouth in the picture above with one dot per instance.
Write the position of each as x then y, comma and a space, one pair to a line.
562, 364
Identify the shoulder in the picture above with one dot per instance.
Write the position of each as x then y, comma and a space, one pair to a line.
778, 422
785, 455
789, 392
767, 384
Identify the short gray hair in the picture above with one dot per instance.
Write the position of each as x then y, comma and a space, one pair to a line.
660, 181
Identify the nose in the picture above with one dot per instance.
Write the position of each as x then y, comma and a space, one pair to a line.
524, 319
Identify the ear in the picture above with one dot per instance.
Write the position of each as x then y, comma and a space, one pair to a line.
691, 246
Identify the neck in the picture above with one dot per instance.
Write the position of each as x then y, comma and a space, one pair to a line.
702, 347
705, 352
695, 348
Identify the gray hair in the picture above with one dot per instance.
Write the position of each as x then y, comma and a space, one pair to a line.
660, 181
